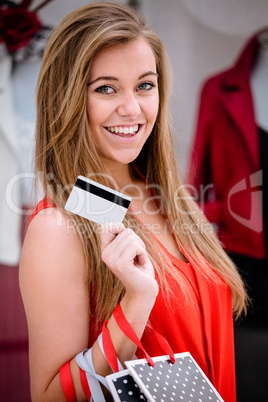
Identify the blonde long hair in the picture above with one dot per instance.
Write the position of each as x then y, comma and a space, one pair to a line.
64, 150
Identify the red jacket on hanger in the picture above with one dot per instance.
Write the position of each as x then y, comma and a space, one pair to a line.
225, 164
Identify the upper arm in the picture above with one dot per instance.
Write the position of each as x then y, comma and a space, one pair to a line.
53, 281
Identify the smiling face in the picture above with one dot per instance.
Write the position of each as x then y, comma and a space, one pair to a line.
123, 100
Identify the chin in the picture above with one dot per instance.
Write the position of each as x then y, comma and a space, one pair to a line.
126, 157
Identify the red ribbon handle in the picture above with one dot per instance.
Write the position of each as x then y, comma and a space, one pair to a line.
130, 333
163, 343
67, 383
108, 348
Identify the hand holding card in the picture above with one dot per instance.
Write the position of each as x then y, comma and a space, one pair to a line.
127, 258
123, 251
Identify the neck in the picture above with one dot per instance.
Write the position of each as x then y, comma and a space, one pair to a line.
120, 173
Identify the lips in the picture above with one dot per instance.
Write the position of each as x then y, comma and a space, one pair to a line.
125, 131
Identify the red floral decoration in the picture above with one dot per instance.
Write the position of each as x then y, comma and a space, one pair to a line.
17, 27
17, 24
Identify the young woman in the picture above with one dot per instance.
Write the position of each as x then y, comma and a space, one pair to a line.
102, 112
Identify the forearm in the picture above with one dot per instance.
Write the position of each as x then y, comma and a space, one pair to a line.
137, 311
54, 391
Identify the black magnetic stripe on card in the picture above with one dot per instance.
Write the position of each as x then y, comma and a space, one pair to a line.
100, 192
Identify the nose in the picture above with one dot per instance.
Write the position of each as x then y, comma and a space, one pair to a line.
129, 105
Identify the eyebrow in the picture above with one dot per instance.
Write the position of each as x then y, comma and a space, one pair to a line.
110, 78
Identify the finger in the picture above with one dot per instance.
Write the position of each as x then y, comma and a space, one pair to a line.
112, 228
131, 232
135, 256
127, 238
141, 257
109, 231
112, 253
123, 251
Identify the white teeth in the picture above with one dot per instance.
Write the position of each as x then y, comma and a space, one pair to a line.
123, 130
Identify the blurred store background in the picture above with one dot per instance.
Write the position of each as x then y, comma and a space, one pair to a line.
203, 38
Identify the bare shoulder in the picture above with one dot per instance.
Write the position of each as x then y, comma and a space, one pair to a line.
52, 245
51, 222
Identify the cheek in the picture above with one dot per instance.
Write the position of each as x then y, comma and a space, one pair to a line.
93, 113
152, 109
98, 111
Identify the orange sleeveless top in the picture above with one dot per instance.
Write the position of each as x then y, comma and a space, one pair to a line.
203, 326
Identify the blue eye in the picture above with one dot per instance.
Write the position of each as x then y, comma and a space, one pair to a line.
105, 89
146, 86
